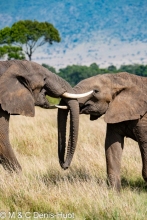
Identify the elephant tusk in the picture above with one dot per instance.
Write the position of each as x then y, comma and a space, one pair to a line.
76, 96
52, 107
62, 107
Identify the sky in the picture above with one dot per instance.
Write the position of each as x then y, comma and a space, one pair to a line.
106, 32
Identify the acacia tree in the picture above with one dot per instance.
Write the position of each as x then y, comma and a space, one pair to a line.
29, 35
12, 52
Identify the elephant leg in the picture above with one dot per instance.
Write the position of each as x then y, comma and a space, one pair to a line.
7, 156
113, 149
140, 132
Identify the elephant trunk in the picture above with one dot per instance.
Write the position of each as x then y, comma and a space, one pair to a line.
73, 135
55, 86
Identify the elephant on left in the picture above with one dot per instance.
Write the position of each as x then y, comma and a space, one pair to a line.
24, 84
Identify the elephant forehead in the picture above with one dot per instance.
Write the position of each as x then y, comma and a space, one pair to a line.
103, 81
95, 82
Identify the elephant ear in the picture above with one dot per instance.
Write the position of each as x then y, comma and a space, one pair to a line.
129, 104
15, 98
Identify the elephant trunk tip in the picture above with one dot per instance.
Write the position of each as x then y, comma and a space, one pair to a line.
64, 166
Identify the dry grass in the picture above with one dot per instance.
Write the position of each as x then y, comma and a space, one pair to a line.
80, 192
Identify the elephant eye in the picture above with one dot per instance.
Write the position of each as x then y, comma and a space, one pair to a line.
95, 95
96, 91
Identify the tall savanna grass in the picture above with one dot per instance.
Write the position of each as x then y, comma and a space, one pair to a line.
81, 192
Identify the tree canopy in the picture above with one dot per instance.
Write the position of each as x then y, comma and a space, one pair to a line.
12, 52
75, 73
50, 68
29, 35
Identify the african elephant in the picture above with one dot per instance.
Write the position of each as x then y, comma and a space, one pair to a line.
122, 98
24, 84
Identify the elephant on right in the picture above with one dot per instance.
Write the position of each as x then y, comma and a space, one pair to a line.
122, 99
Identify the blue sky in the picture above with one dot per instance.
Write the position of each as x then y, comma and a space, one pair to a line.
104, 31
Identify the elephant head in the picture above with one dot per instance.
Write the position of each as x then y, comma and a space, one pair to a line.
24, 84
120, 97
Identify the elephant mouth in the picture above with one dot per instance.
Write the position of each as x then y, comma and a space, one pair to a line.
84, 109
89, 109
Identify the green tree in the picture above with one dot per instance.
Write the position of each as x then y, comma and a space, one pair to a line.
3, 51
12, 52
52, 69
75, 73
29, 35
112, 68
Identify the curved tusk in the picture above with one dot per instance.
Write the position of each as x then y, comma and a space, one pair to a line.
52, 107
76, 96
61, 106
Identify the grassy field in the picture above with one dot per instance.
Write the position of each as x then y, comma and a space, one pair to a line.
45, 191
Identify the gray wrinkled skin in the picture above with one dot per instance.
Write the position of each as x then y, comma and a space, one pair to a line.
122, 99
24, 84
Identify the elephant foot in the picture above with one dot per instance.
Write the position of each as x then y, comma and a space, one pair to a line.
11, 166
114, 183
